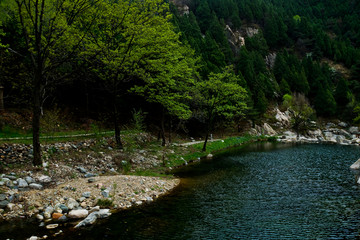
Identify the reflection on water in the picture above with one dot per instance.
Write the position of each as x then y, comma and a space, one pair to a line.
263, 191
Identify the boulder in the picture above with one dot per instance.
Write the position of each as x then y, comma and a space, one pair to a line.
356, 165
2, 197
91, 218
80, 213
3, 203
343, 124
44, 179
86, 194
268, 130
344, 133
29, 179
22, 183
282, 118
354, 130
48, 211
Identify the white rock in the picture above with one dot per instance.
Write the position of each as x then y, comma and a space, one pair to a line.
354, 130
22, 183
35, 186
52, 226
44, 179
33, 238
209, 156
39, 217
80, 213
10, 206
268, 130
356, 165
343, 124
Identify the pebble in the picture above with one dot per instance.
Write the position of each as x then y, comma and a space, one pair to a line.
91, 180
29, 179
52, 226
63, 218
39, 217
56, 215
81, 169
105, 193
86, 194
72, 203
89, 175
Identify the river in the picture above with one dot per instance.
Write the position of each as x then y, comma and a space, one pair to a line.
260, 191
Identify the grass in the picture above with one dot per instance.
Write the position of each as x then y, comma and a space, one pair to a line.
194, 152
105, 203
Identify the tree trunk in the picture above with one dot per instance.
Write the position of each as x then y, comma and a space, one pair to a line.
170, 126
36, 119
163, 143
2, 99
206, 139
117, 128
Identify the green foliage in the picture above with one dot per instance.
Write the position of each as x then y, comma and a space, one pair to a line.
357, 112
300, 111
297, 18
106, 203
138, 120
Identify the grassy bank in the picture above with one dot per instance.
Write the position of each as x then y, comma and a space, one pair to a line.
193, 152
169, 157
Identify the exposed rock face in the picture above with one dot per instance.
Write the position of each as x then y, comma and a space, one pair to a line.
268, 130
270, 60
182, 6
282, 117
251, 31
235, 39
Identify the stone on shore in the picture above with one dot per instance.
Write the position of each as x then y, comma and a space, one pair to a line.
356, 165
36, 186
72, 203
3, 203
91, 218
22, 183
80, 213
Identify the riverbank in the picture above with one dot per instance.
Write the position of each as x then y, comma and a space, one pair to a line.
92, 174
79, 179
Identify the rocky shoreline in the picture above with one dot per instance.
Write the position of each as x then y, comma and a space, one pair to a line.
83, 200
336, 132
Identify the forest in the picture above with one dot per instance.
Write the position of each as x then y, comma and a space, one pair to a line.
187, 64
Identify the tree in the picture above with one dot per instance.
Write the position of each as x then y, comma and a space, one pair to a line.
171, 84
133, 41
300, 111
220, 96
47, 27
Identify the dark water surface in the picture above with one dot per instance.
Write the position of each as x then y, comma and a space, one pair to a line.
262, 191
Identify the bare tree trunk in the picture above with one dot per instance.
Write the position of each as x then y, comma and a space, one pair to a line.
117, 128
163, 143
36, 118
170, 126
2, 99
206, 139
